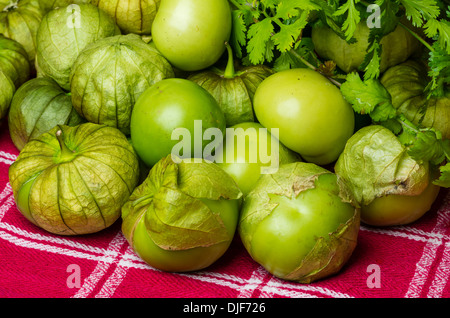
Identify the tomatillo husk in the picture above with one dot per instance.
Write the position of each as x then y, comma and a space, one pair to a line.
64, 33
14, 61
183, 216
406, 83
38, 106
74, 180
233, 89
7, 90
132, 16
110, 74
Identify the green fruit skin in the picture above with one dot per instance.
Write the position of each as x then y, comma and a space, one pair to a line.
64, 33
397, 47
135, 16
396, 209
38, 106
310, 112
191, 259
14, 61
282, 239
77, 186
191, 34
167, 105
241, 167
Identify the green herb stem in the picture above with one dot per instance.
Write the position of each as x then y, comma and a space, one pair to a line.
309, 65
414, 34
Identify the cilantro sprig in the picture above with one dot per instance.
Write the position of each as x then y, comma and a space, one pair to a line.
273, 31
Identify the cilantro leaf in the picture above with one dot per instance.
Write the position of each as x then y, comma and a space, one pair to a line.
429, 146
259, 35
238, 35
441, 29
418, 10
286, 37
368, 97
439, 71
353, 17
444, 179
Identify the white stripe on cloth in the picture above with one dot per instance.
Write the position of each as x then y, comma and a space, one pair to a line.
424, 265
112, 252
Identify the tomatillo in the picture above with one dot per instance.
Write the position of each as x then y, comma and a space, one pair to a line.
388, 184
74, 180
191, 34
300, 223
249, 151
183, 217
312, 115
170, 110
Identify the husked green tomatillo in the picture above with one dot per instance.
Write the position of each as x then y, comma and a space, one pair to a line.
300, 223
183, 216
249, 150
390, 186
74, 180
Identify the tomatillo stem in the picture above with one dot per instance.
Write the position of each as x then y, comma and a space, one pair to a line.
65, 151
229, 70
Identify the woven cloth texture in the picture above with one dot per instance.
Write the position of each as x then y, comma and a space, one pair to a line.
410, 261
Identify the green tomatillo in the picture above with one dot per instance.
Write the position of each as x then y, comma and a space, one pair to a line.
132, 16
74, 180
233, 88
191, 33
183, 217
19, 21
249, 151
390, 187
300, 223
397, 46
175, 116
407, 83
310, 112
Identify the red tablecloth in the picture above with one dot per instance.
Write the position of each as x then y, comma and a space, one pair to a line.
408, 261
